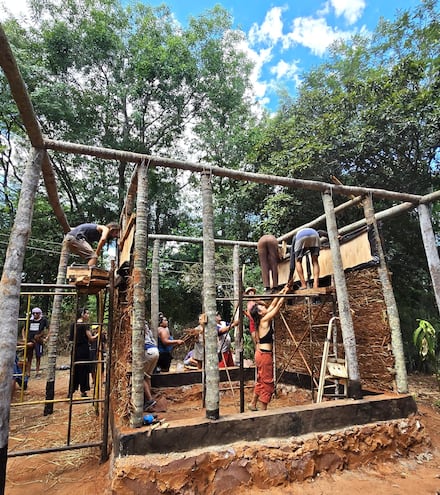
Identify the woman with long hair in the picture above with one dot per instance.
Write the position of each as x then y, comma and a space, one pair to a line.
263, 317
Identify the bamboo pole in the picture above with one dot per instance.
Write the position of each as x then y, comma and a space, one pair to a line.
139, 284
209, 294
348, 336
431, 251
390, 301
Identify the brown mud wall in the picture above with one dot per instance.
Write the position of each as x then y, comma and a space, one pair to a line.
308, 321
238, 467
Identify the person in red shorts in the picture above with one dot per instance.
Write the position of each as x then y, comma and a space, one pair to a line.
263, 317
226, 359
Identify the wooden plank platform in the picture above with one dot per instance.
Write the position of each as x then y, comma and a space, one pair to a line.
84, 277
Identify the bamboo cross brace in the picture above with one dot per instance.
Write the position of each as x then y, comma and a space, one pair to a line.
293, 354
294, 341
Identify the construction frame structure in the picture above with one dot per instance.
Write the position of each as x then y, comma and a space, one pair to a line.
137, 198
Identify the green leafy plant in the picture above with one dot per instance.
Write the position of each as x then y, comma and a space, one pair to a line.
425, 338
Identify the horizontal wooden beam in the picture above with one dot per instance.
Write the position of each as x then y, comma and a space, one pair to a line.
154, 161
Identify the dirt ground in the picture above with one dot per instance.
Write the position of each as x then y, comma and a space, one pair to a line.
80, 471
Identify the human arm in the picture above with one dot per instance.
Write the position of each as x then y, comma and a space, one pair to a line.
275, 305
103, 239
90, 336
164, 335
226, 328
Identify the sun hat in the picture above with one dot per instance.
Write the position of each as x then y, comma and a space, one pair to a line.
249, 289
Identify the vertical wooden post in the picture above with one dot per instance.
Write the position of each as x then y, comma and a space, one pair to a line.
348, 337
431, 251
209, 294
390, 301
235, 315
10, 295
54, 330
238, 313
139, 284
154, 307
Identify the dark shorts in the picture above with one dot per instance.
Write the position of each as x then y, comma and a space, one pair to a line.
307, 244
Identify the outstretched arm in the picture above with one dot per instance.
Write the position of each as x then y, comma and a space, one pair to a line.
104, 235
276, 304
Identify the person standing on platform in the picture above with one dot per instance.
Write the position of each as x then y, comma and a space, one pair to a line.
269, 256
165, 344
306, 241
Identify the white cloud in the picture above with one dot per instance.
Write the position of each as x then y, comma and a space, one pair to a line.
312, 33
283, 69
271, 30
259, 58
351, 10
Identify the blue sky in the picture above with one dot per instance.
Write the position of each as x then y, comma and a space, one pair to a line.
286, 38
283, 38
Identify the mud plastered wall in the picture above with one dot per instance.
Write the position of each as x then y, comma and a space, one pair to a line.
307, 325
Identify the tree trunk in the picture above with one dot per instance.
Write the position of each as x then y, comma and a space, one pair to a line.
431, 251
155, 161
390, 301
209, 294
139, 284
54, 330
155, 288
238, 335
348, 337
10, 296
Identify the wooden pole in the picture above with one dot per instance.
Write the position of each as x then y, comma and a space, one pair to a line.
31, 124
10, 296
54, 330
318, 220
155, 288
348, 336
390, 301
431, 251
155, 161
209, 294
139, 284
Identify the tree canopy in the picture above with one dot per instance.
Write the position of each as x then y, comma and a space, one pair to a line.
131, 78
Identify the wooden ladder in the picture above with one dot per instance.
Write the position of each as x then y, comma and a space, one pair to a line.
332, 368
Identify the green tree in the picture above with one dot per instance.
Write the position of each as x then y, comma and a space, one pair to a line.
126, 78
370, 116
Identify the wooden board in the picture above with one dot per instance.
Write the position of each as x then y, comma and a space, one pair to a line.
84, 276
126, 242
